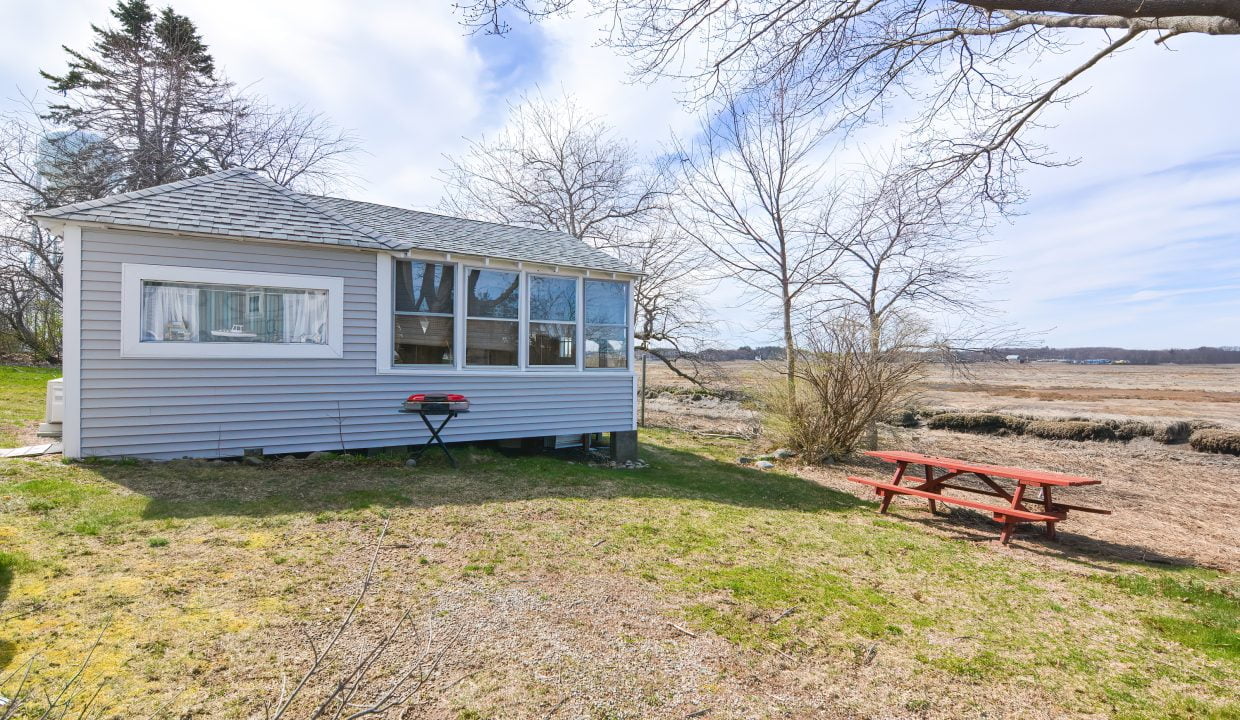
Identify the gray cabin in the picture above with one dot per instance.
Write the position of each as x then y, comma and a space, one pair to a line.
225, 313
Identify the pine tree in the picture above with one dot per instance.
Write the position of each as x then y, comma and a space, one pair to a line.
147, 88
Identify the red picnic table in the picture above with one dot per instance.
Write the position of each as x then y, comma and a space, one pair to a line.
1014, 512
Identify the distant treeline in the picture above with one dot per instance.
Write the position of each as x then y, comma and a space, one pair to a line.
744, 352
1186, 356
1189, 356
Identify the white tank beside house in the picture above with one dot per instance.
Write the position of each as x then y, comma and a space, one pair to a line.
54, 409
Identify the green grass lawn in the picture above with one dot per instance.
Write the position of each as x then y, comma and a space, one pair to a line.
22, 394
204, 575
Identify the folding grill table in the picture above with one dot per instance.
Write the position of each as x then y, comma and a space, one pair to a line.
424, 405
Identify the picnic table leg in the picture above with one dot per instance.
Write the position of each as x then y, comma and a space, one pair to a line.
934, 507
887, 494
1047, 504
1008, 524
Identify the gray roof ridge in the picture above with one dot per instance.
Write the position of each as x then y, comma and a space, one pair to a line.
311, 202
56, 212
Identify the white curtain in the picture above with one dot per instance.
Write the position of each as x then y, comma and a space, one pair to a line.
169, 312
305, 317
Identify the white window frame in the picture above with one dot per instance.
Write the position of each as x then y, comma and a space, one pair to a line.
390, 294
525, 331
385, 304
133, 275
630, 312
520, 319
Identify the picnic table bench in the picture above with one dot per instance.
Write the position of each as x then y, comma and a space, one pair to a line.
1010, 514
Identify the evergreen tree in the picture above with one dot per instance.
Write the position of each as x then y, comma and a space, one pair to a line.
147, 88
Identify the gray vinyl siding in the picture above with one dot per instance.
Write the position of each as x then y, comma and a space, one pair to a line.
174, 407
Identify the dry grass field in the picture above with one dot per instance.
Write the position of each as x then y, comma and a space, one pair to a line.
1146, 392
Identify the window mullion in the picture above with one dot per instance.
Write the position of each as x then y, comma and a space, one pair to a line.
581, 322
523, 310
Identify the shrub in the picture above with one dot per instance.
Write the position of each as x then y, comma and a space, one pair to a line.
1216, 441
843, 387
903, 418
1173, 432
1128, 429
986, 423
1070, 430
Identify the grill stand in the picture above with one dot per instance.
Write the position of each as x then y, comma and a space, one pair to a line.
435, 431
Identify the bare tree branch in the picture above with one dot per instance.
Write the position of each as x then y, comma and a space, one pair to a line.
555, 168
971, 67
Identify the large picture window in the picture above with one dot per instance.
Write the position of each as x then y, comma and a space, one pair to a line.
606, 324
424, 305
204, 313
492, 317
169, 311
552, 321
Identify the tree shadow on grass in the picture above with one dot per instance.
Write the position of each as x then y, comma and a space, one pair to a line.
188, 489
976, 526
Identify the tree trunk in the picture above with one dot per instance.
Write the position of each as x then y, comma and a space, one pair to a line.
790, 354
871, 437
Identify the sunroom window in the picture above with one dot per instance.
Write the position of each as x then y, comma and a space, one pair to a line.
606, 324
182, 312
492, 323
424, 306
553, 321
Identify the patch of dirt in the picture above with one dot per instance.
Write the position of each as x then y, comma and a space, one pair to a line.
707, 414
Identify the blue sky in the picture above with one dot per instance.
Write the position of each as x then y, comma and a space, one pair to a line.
1138, 244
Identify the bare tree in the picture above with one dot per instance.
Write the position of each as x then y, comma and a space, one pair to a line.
672, 324
752, 195
554, 167
293, 146
39, 168
973, 66
907, 245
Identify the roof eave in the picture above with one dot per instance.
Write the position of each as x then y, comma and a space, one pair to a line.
447, 254
57, 225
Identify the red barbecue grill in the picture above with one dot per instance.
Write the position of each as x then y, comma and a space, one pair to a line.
424, 405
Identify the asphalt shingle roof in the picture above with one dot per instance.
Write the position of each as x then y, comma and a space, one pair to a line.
244, 204
443, 233
232, 203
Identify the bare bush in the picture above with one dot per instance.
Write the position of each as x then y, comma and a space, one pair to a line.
1079, 430
1216, 441
984, 423
844, 385
1173, 432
